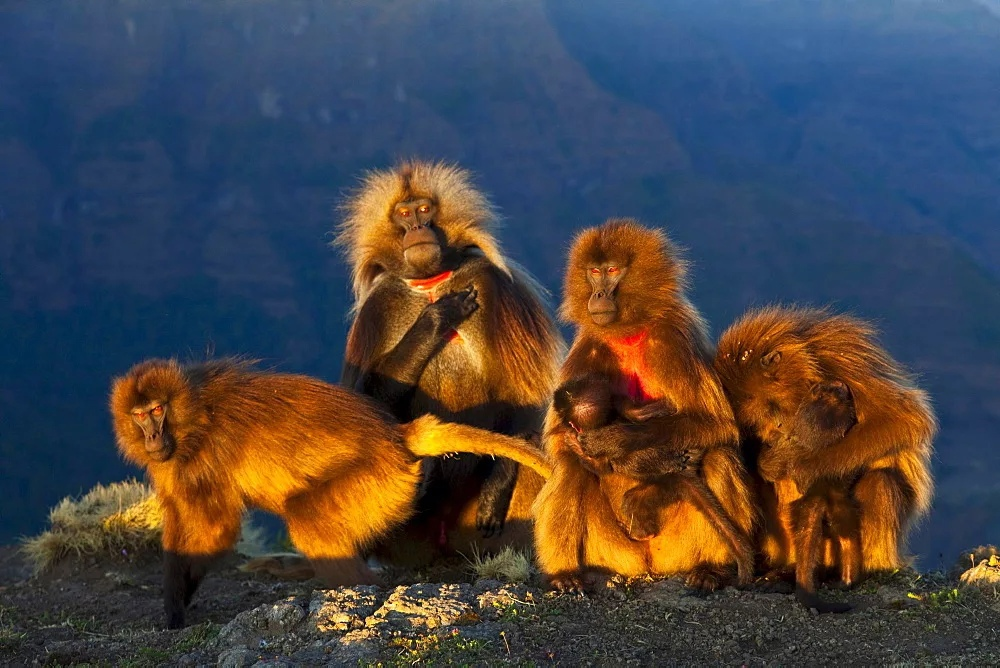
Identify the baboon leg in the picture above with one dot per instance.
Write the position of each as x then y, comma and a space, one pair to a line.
884, 501
192, 539
708, 577
845, 527
808, 514
495, 496
327, 543
333, 522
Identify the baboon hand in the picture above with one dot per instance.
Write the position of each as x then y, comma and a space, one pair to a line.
570, 583
453, 309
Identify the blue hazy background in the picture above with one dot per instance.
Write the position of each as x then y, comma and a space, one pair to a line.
169, 172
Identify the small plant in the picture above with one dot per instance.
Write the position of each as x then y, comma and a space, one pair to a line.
938, 599
9, 637
509, 565
196, 637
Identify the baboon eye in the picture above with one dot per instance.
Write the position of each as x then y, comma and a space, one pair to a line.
424, 209
595, 272
139, 415
157, 411
405, 213
612, 270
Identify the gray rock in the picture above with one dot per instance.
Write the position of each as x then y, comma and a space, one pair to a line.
426, 606
343, 609
237, 658
258, 627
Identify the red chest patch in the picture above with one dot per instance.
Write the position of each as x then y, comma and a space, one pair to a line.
631, 354
426, 286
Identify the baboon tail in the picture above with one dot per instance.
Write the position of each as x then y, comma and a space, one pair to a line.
428, 436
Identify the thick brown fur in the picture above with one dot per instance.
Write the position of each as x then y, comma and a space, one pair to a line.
768, 361
332, 463
498, 373
656, 348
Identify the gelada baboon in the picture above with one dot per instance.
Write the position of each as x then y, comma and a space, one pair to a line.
444, 324
768, 361
625, 292
220, 437
587, 403
827, 509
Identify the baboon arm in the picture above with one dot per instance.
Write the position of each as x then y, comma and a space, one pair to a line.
865, 443
392, 377
658, 446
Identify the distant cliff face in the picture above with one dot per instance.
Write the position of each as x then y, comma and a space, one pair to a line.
169, 175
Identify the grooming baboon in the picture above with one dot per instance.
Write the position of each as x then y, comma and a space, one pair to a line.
444, 324
625, 292
587, 403
220, 437
769, 361
826, 511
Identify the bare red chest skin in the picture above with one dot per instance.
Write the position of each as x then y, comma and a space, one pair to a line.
631, 354
426, 287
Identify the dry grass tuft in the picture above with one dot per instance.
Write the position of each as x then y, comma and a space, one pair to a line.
121, 519
984, 576
509, 565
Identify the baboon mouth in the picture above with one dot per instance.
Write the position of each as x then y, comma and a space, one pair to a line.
603, 317
160, 453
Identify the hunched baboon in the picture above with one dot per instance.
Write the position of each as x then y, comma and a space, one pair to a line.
218, 438
444, 324
769, 361
625, 292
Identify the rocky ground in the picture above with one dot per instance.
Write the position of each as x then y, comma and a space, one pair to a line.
110, 613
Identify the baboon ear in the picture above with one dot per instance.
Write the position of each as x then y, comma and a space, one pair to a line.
770, 358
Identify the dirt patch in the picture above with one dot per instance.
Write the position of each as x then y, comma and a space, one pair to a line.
105, 612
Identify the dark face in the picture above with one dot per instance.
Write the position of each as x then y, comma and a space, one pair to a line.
604, 281
152, 419
830, 407
422, 241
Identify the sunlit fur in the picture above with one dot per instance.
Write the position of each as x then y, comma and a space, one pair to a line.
577, 526
373, 243
893, 436
333, 464
499, 374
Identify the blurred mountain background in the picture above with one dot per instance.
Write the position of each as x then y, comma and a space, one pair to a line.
169, 172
